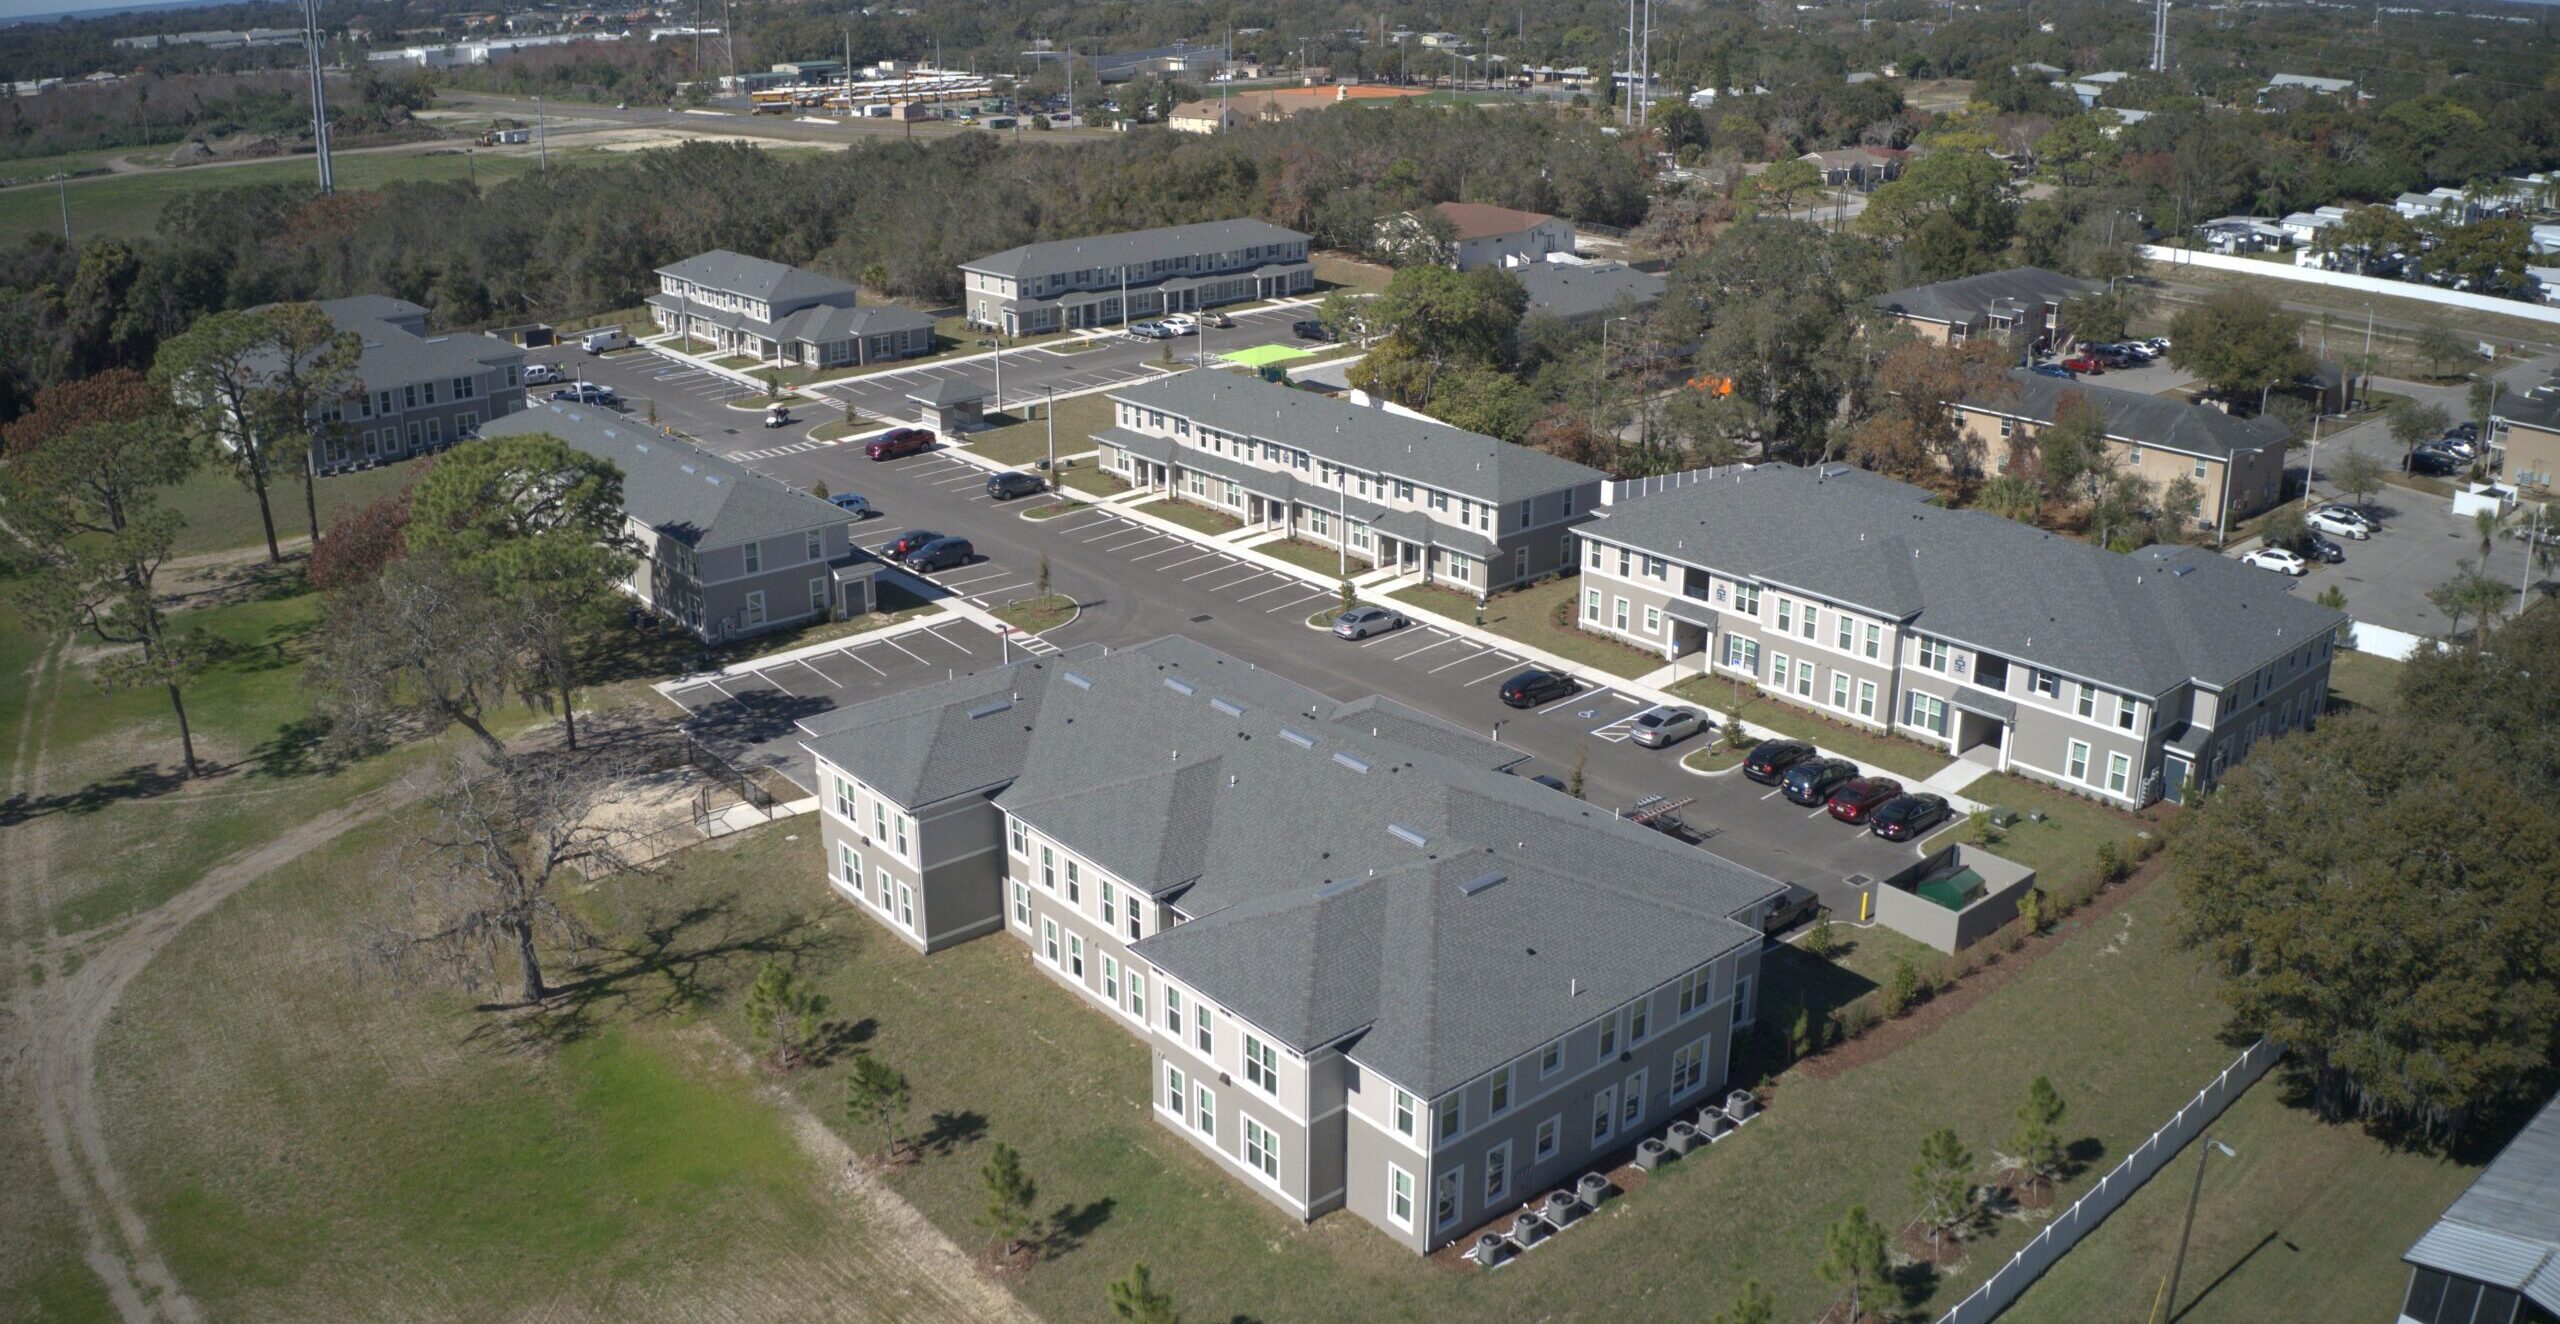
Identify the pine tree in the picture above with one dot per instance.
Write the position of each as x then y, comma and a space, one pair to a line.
1853, 1253
1943, 1183
782, 1014
1136, 1300
1009, 1197
2037, 1142
876, 1093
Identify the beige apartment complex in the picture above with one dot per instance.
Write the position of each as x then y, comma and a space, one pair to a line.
1375, 971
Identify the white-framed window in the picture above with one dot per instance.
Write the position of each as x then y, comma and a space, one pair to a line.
1205, 1120
2125, 710
1075, 955
1176, 1089
1551, 1058
882, 878
1608, 1035
2044, 683
1402, 1109
1261, 1149
1618, 615
1746, 600
1631, 1103
1874, 646
1804, 678
1022, 905
814, 544
849, 865
1497, 1174
1261, 1065
2088, 702
2120, 772
1445, 1202
1843, 631
1927, 712
1933, 654
1019, 837
1452, 1119
1604, 1114
1812, 625
754, 554
1049, 941
1111, 979
1697, 989
1173, 1011
1688, 1069
1110, 905
1137, 995
1545, 1147
1639, 1021
754, 610
1049, 868
2076, 764
1202, 1033
1786, 614
1653, 620
1742, 1000
1400, 1197
1741, 654
1075, 883
1780, 667
1498, 1094
817, 597
906, 907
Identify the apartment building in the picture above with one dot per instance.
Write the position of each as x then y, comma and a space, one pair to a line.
2021, 299
1374, 970
1483, 235
724, 552
1579, 294
1385, 487
2526, 431
782, 315
2236, 464
416, 393
2120, 677
1113, 279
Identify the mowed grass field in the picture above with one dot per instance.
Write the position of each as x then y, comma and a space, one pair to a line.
122, 206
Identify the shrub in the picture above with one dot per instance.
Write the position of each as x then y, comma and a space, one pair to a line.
1854, 1019
2111, 864
1903, 991
1801, 1041
1981, 830
1822, 940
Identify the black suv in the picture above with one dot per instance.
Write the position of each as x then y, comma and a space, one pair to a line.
1811, 782
1013, 483
1308, 328
908, 543
942, 554
1533, 687
1771, 758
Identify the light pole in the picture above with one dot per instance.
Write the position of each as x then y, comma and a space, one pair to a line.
2311, 467
2203, 1154
2222, 525
1598, 395
1049, 407
999, 372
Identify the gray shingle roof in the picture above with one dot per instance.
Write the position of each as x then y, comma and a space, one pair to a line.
671, 485
817, 323
1969, 297
394, 355
776, 283
1569, 292
2504, 1229
2144, 623
943, 391
1242, 794
1132, 247
2541, 412
2152, 420
1376, 440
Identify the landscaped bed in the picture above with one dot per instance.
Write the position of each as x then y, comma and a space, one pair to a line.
1037, 615
1200, 519
1906, 758
1094, 481
1541, 617
1023, 441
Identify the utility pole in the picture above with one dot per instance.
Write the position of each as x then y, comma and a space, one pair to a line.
2160, 36
542, 137
1049, 409
729, 39
319, 96
62, 194
1626, 108
2179, 1265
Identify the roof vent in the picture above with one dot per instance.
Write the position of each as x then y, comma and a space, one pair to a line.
1479, 883
1294, 738
1405, 834
989, 709
687, 467
640, 446
1073, 679
1228, 706
1351, 761
1336, 888
1179, 686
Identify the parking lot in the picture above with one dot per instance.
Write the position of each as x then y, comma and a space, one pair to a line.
749, 717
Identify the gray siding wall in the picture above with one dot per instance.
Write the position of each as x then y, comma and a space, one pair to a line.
784, 581
357, 442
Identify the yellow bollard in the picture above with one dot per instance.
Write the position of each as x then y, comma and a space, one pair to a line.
1866, 906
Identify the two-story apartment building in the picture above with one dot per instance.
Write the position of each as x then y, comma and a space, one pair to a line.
2525, 430
1483, 235
1581, 294
2236, 464
2020, 299
782, 314
2121, 677
1386, 488
1113, 279
724, 552
1375, 971
415, 393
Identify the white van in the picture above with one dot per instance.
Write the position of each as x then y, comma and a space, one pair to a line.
609, 339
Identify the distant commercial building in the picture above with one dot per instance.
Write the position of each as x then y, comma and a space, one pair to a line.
219, 39
1180, 60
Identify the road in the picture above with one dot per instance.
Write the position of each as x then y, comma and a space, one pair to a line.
1137, 582
572, 117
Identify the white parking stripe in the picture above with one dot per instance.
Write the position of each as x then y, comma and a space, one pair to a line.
1284, 584
1445, 639
1309, 597
1000, 588
951, 641
1179, 545
718, 686
1459, 663
1213, 570
904, 649
1389, 637
856, 655
949, 580
1176, 565
822, 675
1585, 696
1251, 575
1507, 664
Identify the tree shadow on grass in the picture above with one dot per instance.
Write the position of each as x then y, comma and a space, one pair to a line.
142, 781
949, 1131
1067, 1229
836, 1039
677, 962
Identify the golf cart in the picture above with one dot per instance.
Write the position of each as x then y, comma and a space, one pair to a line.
779, 416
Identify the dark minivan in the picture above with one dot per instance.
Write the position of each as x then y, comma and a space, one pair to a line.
1771, 758
1013, 483
941, 554
1811, 783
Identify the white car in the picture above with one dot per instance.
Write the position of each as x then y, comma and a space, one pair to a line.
1181, 324
542, 374
2277, 559
2341, 522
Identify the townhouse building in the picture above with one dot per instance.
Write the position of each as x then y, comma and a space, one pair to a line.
781, 314
723, 551
1374, 970
2236, 464
1113, 279
2022, 300
416, 393
1483, 235
1385, 488
2121, 677
2525, 430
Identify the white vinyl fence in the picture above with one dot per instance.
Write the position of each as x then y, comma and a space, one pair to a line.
2112, 1190
2383, 641
2401, 289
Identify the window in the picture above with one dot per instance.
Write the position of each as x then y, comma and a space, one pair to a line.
1207, 1121
1631, 1103
1867, 699
1261, 1065
1175, 1089
2125, 708
754, 554
1741, 654
1927, 712
1652, 618
1618, 616
1786, 615
2044, 682
1546, 1143
1933, 654
882, 877
1812, 621
1746, 599
1688, 1069
1608, 1036
1020, 838
1497, 1173
1780, 665
1137, 995
1591, 605
849, 866
1404, 1113
2120, 772
1624, 558
1875, 642
1697, 989
818, 597
1843, 633
815, 546
2198, 472
1173, 1011
2088, 700
1637, 1018
899, 822
1400, 1197
1110, 979
2076, 767
754, 611
1804, 678
1742, 1000
1075, 955
1110, 904
1049, 941
1453, 1116
1133, 919
1261, 1150
907, 909
1202, 1034
1499, 1095
1022, 904
1551, 1059
1604, 1115
1444, 1197
1049, 868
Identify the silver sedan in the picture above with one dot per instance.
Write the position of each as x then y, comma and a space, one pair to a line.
1659, 727
1361, 622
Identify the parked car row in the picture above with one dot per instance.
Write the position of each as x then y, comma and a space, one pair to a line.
1879, 804
926, 550
2097, 357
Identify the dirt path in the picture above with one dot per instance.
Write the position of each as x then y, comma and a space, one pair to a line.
59, 1023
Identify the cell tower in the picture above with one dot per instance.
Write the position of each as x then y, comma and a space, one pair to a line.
2160, 36
319, 95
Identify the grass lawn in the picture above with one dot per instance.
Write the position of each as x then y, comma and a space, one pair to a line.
1054, 509
127, 206
1201, 519
1311, 556
2361, 680
1539, 615
1094, 481
1117, 1188
1022, 441
221, 514
1037, 615
30, 169
1712, 754
1907, 758
1343, 271
2066, 843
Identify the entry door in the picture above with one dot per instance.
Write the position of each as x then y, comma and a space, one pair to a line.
2175, 770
